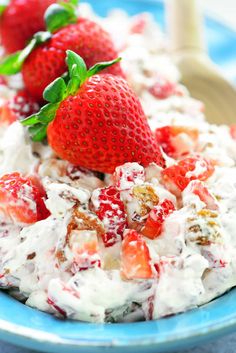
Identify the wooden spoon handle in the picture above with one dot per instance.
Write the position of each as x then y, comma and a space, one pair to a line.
185, 25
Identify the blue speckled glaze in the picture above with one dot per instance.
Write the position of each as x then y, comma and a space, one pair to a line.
27, 327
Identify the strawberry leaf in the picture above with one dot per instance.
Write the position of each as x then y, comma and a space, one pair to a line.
3, 5
77, 72
38, 122
31, 120
72, 86
76, 65
12, 64
38, 132
73, 2
56, 91
59, 15
101, 66
45, 115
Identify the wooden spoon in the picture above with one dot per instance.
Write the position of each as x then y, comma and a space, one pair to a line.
199, 74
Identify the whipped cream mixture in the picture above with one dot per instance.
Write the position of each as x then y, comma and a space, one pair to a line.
192, 260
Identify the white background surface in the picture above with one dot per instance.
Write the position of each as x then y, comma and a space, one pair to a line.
226, 10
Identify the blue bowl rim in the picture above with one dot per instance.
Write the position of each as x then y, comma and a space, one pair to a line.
216, 329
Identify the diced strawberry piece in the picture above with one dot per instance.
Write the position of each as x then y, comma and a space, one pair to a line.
56, 307
177, 177
111, 211
128, 175
139, 24
233, 131
214, 259
84, 247
156, 218
37, 183
199, 189
19, 107
7, 116
20, 200
177, 141
163, 137
3, 81
163, 88
135, 257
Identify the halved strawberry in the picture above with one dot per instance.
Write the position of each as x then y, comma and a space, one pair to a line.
177, 177
177, 141
135, 257
20, 200
156, 218
111, 211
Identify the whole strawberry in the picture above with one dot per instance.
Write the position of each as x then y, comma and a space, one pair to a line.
44, 58
96, 121
20, 20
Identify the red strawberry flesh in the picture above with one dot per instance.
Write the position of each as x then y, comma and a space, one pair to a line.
111, 211
156, 218
135, 257
192, 168
20, 200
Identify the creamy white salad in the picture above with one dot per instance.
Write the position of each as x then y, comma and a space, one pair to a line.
64, 265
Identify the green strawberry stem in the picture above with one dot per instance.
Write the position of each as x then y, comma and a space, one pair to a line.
56, 17
59, 90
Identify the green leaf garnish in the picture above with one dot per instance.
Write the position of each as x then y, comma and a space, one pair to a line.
12, 64
59, 90
60, 15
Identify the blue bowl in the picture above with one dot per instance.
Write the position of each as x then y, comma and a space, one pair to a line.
33, 329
